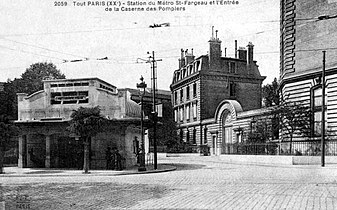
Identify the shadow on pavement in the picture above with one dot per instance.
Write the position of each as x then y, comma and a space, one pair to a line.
182, 166
45, 172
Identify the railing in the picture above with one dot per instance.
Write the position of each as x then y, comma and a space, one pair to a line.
308, 148
149, 159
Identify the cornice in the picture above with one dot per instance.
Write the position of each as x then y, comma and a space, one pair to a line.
186, 80
307, 76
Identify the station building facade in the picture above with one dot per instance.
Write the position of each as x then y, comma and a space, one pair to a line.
308, 27
211, 94
43, 117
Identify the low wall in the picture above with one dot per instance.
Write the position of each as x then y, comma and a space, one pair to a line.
257, 159
279, 160
313, 160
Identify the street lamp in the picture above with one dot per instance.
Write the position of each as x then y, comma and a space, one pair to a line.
141, 86
154, 114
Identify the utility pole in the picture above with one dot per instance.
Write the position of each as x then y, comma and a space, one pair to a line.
154, 114
154, 111
323, 113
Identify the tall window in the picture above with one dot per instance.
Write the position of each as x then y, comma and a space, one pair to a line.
176, 115
187, 92
181, 95
205, 135
194, 90
194, 136
317, 111
188, 136
187, 112
175, 97
232, 89
195, 110
181, 114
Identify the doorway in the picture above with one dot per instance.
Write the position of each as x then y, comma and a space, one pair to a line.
70, 152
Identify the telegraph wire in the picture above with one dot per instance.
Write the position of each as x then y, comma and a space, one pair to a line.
36, 46
27, 52
93, 30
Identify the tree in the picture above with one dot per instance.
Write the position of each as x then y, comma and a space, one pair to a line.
7, 131
294, 119
87, 123
8, 99
29, 82
31, 79
259, 132
270, 94
166, 128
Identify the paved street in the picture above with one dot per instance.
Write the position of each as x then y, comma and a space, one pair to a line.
198, 183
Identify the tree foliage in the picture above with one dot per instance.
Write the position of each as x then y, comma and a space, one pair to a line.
29, 82
270, 94
294, 120
166, 129
7, 131
8, 105
86, 122
31, 79
259, 133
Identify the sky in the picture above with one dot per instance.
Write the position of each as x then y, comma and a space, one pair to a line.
39, 31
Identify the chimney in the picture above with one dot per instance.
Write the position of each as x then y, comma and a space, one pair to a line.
236, 48
214, 52
181, 60
189, 57
242, 53
250, 53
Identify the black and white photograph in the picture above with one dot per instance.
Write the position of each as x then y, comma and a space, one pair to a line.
168, 104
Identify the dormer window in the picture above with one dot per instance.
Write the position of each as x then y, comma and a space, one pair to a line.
197, 67
184, 73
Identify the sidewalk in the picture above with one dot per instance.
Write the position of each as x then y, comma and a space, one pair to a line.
45, 172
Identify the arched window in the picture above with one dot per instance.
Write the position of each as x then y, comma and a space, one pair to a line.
316, 108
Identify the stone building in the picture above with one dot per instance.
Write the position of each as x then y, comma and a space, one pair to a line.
43, 118
208, 91
165, 114
307, 28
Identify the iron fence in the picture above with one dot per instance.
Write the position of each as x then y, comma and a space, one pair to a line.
307, 148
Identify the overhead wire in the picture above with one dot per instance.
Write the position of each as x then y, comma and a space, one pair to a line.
27, 52
44, 48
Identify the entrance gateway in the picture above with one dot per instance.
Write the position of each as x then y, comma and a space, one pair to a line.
225, 115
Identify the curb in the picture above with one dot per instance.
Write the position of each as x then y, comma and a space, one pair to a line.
170, 168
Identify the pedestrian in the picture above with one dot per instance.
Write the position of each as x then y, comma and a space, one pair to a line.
118, 161
108, 158
113, 159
